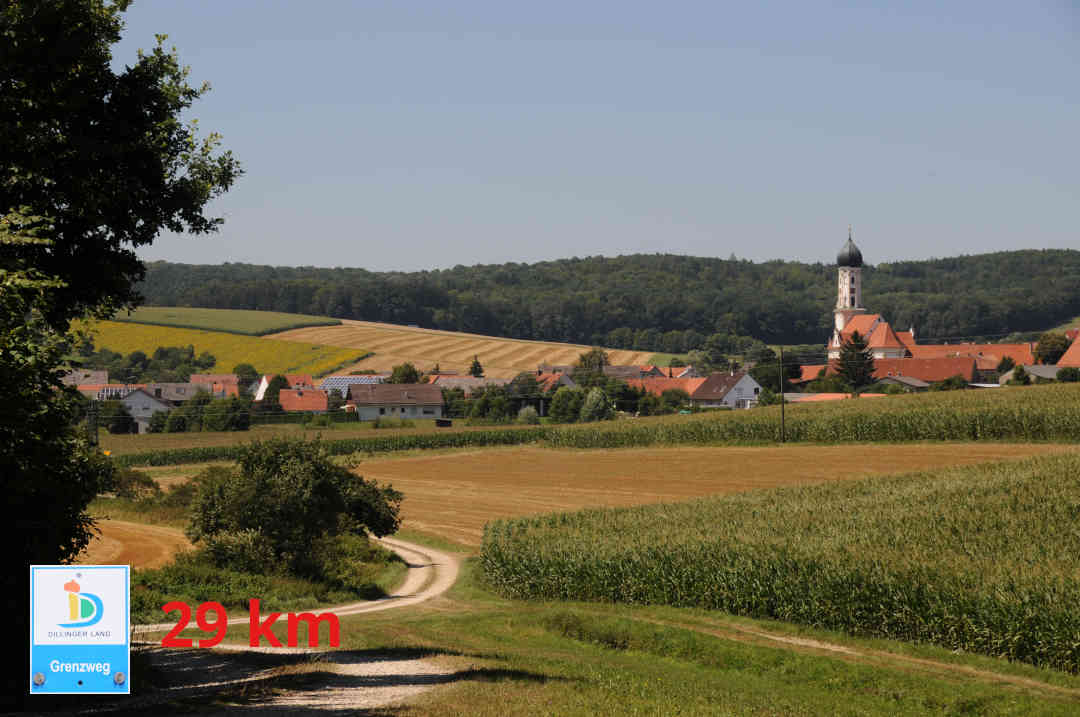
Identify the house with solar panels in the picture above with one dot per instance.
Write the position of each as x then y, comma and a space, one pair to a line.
342, 383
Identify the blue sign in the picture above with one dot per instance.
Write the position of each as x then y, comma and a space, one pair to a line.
80, 629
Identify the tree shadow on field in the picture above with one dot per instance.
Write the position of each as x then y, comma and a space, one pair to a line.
323, 683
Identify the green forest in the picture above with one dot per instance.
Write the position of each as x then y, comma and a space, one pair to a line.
658, 302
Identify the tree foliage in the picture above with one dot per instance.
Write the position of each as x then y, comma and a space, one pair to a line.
404, 373
1051, 347
476, 370
293, 495
856, 364
653, 302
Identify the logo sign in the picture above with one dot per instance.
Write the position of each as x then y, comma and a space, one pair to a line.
79, 629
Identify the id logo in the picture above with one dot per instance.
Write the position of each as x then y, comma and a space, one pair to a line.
84, 609
79, 629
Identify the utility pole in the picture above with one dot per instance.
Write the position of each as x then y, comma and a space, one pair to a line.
92, 422
780, 386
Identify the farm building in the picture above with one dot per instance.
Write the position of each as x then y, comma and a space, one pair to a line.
730, 390
395, 400
468, 384
141, 405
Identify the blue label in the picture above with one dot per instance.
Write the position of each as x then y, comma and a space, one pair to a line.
80, 668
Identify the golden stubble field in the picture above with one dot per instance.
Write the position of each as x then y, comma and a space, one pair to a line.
424, 348
452, 495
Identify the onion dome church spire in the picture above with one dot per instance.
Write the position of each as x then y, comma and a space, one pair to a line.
849, 253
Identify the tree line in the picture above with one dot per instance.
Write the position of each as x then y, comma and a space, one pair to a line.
651, 302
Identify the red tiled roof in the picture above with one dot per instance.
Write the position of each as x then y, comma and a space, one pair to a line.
657, 385
302, 399
883, 337
906, 338
810, 372
293, 379
862, 323
1071, 357
929, 370
1020, 353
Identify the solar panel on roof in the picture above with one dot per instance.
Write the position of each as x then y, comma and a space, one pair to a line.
342, 383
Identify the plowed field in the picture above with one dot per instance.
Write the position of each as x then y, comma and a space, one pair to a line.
453, 495
393, 345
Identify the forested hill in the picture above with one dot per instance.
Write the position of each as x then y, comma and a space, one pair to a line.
632, 301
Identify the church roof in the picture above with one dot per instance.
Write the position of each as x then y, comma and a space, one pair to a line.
1071, 357
883, 337
849, 253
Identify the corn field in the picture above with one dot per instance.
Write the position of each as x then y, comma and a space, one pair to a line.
984, 559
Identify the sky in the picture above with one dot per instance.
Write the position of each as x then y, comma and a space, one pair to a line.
403, 136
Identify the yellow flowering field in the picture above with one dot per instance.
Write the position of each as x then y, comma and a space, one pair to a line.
266, 355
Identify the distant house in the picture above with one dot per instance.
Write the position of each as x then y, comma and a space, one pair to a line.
142, 406
295, 380
1046, 373
218, 385
927, 370
550, 382
396, 400
83, 377
733, 390
342, 383
468, 384
303, 399
176, 393
108, 391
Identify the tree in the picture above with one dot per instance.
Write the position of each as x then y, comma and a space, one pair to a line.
596, 406
404, 373
674, 399
566, 404
116, 418
593, 360
476, 370
272, 395
1069, 374
1020, 377
1005, 365
293, 495
953, 383
246, 374
104, 155
1051, 347
856, 363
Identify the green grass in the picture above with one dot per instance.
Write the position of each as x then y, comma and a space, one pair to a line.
982, 559
232, 321
533, 658
664, 360
1070, 324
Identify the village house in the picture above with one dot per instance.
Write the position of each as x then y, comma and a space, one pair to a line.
718, 390
218, 385
295, 380
342, 383
395, 400
303, 399
142, 406
468, 384
1036, 371
85, 377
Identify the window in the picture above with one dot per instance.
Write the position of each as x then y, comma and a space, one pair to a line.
757, 391
403, 409
429, 411
382, 411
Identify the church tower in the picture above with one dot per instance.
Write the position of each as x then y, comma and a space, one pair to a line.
849, 290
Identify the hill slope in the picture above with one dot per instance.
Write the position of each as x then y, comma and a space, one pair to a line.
631, 301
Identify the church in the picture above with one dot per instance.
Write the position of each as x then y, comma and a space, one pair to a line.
896, 353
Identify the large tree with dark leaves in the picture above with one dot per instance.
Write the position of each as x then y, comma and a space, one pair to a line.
856, 363
104, 155
93, 164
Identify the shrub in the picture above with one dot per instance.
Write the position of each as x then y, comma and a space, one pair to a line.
595, 407
293, 495
566, 404
247, 551
134, 485
528, 416
1069, 374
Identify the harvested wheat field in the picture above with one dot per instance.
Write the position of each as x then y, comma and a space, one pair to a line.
393, 345
453, 495
136, 544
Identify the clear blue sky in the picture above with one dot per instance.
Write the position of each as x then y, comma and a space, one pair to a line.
415, 135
